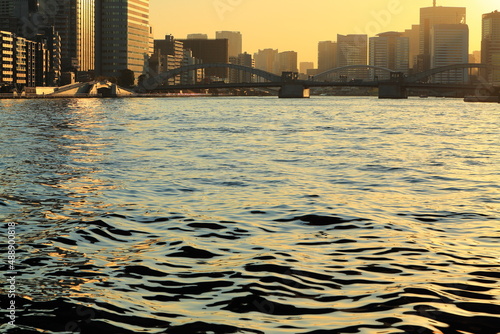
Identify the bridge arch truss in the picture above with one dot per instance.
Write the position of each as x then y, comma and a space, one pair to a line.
157, 80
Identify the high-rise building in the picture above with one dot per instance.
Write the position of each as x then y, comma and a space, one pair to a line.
19, 60
197, 36
122, 36
266, 59
235, 41
286, 62
210, 51
430, 16
352, 50
75, 23
389, 50
7, 57
449, 46
413, 35
490, 46
73, 20
327, 56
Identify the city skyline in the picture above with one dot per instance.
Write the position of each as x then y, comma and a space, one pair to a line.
301, 26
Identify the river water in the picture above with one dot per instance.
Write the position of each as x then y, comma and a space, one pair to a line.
251, 215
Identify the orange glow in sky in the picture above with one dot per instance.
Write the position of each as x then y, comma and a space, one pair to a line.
299, 25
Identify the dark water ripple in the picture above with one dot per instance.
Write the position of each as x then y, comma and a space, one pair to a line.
252, 216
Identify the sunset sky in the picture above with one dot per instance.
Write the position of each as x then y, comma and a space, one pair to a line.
299, 25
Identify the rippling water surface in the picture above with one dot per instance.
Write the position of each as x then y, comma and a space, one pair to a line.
252, 215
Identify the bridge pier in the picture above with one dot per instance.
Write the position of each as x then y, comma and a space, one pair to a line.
392, 91
294, 91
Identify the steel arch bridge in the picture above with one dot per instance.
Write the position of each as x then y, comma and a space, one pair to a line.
162, 77
423, 75
343, 68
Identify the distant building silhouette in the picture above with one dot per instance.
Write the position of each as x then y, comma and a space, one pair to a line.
286, 62
210, 51
490, 45
449, 45
197, 36
122, 36
352, 50
389, 50
235, 41
266, 59
305, 66
327, 55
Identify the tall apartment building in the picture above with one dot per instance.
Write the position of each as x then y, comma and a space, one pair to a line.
6, 58
122, 36
235, 41
327, 56
389, 50
210, 51
490, 46
352, 50
449, 46
265, 59
22, 61
429, 17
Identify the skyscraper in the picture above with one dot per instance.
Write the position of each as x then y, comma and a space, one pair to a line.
429, 17
235, 41
327, 55
450, 45
490, 46
352, 50
75, 23
122, 36
389, 50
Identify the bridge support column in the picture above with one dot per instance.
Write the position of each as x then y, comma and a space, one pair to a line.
392, 91
294, 91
